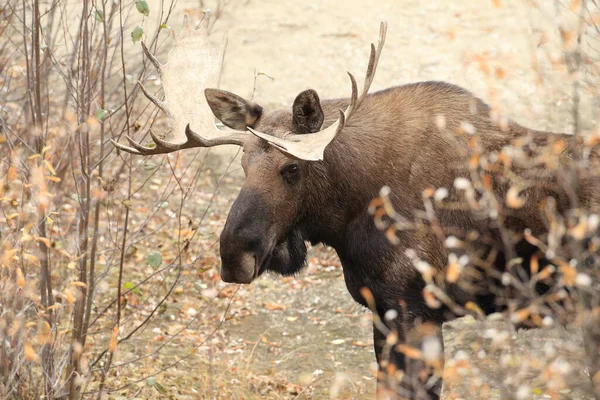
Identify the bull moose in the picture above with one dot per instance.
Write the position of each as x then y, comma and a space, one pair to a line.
312, 172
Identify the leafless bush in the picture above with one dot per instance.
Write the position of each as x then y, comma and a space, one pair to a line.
71, 217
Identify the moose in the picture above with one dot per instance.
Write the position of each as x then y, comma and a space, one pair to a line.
312, 173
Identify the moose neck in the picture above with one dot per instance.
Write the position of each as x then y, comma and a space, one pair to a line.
356, 165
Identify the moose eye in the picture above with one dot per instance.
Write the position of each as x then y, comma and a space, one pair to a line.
289, 172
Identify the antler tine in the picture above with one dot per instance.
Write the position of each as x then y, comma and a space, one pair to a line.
152, 59
311, 146
371, 68
192, 64
193, 140
138, 149
353, 97
123, 147
159, 103
236, 137
204, 24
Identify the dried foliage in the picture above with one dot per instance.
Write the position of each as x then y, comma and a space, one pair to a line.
88, 264
559, 286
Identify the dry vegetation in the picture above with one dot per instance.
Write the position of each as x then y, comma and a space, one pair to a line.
109, 284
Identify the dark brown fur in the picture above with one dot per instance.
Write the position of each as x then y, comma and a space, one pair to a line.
392, 140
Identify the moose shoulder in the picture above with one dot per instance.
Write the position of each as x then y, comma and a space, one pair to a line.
313, 170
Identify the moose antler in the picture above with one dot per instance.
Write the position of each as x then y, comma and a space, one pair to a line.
311, 146
193, 65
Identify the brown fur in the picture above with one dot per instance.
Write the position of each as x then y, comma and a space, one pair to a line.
392, 140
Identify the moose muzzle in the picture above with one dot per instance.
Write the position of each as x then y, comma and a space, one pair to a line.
246, 243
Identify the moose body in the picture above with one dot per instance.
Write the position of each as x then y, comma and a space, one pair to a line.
393, 140
312, 172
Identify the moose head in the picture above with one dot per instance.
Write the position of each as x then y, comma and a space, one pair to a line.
283, 152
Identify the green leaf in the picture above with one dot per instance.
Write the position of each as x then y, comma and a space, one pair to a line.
99, 16
154, 259
142, 7
151, 381
101, 114
137, 33
164, 26
131, 286
161, 389
149, 167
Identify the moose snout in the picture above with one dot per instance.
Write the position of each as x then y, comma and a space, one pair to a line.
242, 270
240, 254
243, 244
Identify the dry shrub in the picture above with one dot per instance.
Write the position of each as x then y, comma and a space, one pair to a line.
72, 218
559, 285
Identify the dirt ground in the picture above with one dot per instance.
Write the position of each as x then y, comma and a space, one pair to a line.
304, 337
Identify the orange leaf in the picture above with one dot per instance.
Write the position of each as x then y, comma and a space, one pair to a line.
12, 173
20, 278
569, 273
487, 181
596, 378
32, 259
30, 353
497, 3
578, 231
44, 240
574, 6
275, 306
45, 335
50, 167
534, 264
474, 161
366, 293
390, 234
409, 352
428, 192
512, 198
431, 300
8, 256
483, 65
567, 36
13, 216
500, 74
521, 315
79, 283
69, 296
453, 272
475, 308
112, 346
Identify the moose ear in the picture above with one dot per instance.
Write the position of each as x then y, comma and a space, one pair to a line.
308, 114
232, 110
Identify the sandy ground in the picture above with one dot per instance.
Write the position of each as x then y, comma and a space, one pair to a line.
317, 336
